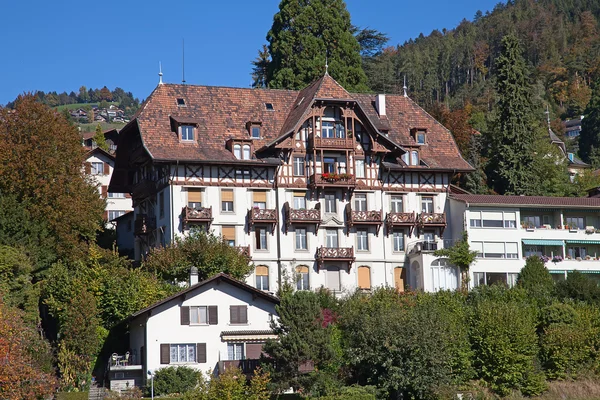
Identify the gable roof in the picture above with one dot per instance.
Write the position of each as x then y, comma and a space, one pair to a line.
98, 150
526, 201
218, 277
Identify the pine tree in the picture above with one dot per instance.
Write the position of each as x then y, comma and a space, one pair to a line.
261, 66
512, 136
589, 139
305, 35
99, 138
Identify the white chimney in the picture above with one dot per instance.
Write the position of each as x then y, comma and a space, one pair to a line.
193, 276
380, 104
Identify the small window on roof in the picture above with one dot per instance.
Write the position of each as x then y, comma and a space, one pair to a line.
269, 106
255, 131
181, 102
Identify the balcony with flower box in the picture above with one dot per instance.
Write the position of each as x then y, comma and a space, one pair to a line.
301, 216
332, 180
201, 215
262, 216
345, 254
144, 225
363, 218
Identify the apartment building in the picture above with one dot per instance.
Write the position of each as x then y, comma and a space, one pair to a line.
320, 186
505, 230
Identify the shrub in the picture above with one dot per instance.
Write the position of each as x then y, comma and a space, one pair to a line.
170, 380
577, 286
536, 280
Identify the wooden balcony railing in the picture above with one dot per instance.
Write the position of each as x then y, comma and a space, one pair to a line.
432, 219
335, 254
301, 216
371, 217
244, 250
345, 143
262, 216
144, 225
401, 219
247, 366
197, 215
334, 180
422, 247
144, 188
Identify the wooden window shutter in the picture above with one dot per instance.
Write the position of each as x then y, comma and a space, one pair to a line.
260, 197
234, 315
165, 353
228, 232
88, 168
254, 350
261, 270
213, 315
243, 315
106, 168
194, 196
399, 276
364, 278
299, 194
227, 195
201, 352
185, 315
104, 191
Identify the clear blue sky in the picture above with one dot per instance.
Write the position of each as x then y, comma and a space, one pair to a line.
61, 45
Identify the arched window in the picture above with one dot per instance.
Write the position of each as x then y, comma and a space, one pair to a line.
247, 152
262, 277
237, 151
414, 157
406, 158
364, 278
399, 278
302, 278
444, 275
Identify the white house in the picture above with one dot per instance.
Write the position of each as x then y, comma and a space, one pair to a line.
339, 189
505, 230
210, 326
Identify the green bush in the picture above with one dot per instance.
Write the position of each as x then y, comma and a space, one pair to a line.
577, 286
171, 380
353, 393
536, 280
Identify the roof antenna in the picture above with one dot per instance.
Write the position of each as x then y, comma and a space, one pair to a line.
404, 87
183, 61
160, 74
547, 112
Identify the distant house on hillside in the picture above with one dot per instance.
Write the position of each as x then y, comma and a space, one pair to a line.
573, 127
575, 165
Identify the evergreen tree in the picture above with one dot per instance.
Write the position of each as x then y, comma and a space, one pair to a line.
261, 66
589, 139
304, 36
512, 136
99, 138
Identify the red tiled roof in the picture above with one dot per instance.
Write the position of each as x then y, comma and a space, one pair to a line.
222, 113
528, 201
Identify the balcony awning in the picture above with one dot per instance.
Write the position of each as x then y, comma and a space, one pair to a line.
582, 271
583, 242
247, 336
543, 242
557, 271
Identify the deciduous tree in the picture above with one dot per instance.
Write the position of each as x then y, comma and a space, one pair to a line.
589, 139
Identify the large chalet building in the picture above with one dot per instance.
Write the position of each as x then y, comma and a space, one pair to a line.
320, 186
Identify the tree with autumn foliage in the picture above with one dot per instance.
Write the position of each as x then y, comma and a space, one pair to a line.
41, 166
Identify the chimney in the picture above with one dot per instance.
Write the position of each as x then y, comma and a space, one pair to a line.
193, 276
380, 104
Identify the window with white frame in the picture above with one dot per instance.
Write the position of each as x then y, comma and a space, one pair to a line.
496, 249
331, 238
112, 195
112, 214
260, 238
329, 165
330, 203
398, 240
299, 201
183, 353
237, 151
420, 137
327, 130
199, 315
227, 200
360, 168
298, 166
332, 278
414, 157
360, 202
492, 219
262, 277
491, 278
301, 240
302, 278
255, 131
187, 133
427, 204
396, 204
362, 240
406, 158
97, 168
246, 152
575, 222
235, 351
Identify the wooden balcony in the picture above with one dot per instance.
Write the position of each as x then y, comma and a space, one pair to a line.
301, 216
432, 220
363, 218
401, 220
332, 180
344, 143
144, 225
262, 216
201, 215
345, 254
246, 366
144, 188
244, 250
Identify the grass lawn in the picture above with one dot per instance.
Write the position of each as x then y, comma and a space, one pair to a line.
105, 126
80, 105
72, 395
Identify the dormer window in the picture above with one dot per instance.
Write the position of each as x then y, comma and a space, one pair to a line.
411, 158
186, 133
242, 151
253, 129
269, 106
181, 102
419, 134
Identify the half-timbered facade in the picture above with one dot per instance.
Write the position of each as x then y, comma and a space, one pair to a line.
320, 186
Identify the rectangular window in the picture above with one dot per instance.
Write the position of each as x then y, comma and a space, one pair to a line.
414, 157
576, 251
331, 238
195, 198
511, 279
227, 200
398, 238
199, 315
97, 168
510, 220
161, 204
298, 166
529, 251
478, 279
512, 250
492, 219
575, 222
238, 314
531, 221
255, 132
478, 247
187, 132
329, 165
112, 195
333, 279
327, 129
360, 202
260, 238
493, 250
427, 204
183, 353
262, 278
475, 219
228, 233
421, 137
396, 204
112, 214
299, 201
302, 278
259, 200
360, 168
362, 240
330, 203
235, 351
301, 239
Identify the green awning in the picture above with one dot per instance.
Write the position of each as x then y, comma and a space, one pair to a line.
583, 242
543, 242
561, 272
557, 271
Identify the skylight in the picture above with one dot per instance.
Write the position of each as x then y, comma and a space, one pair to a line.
269, 106
181, 102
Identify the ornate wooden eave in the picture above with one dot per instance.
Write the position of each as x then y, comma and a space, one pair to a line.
364, 218
302, 216
344, 254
